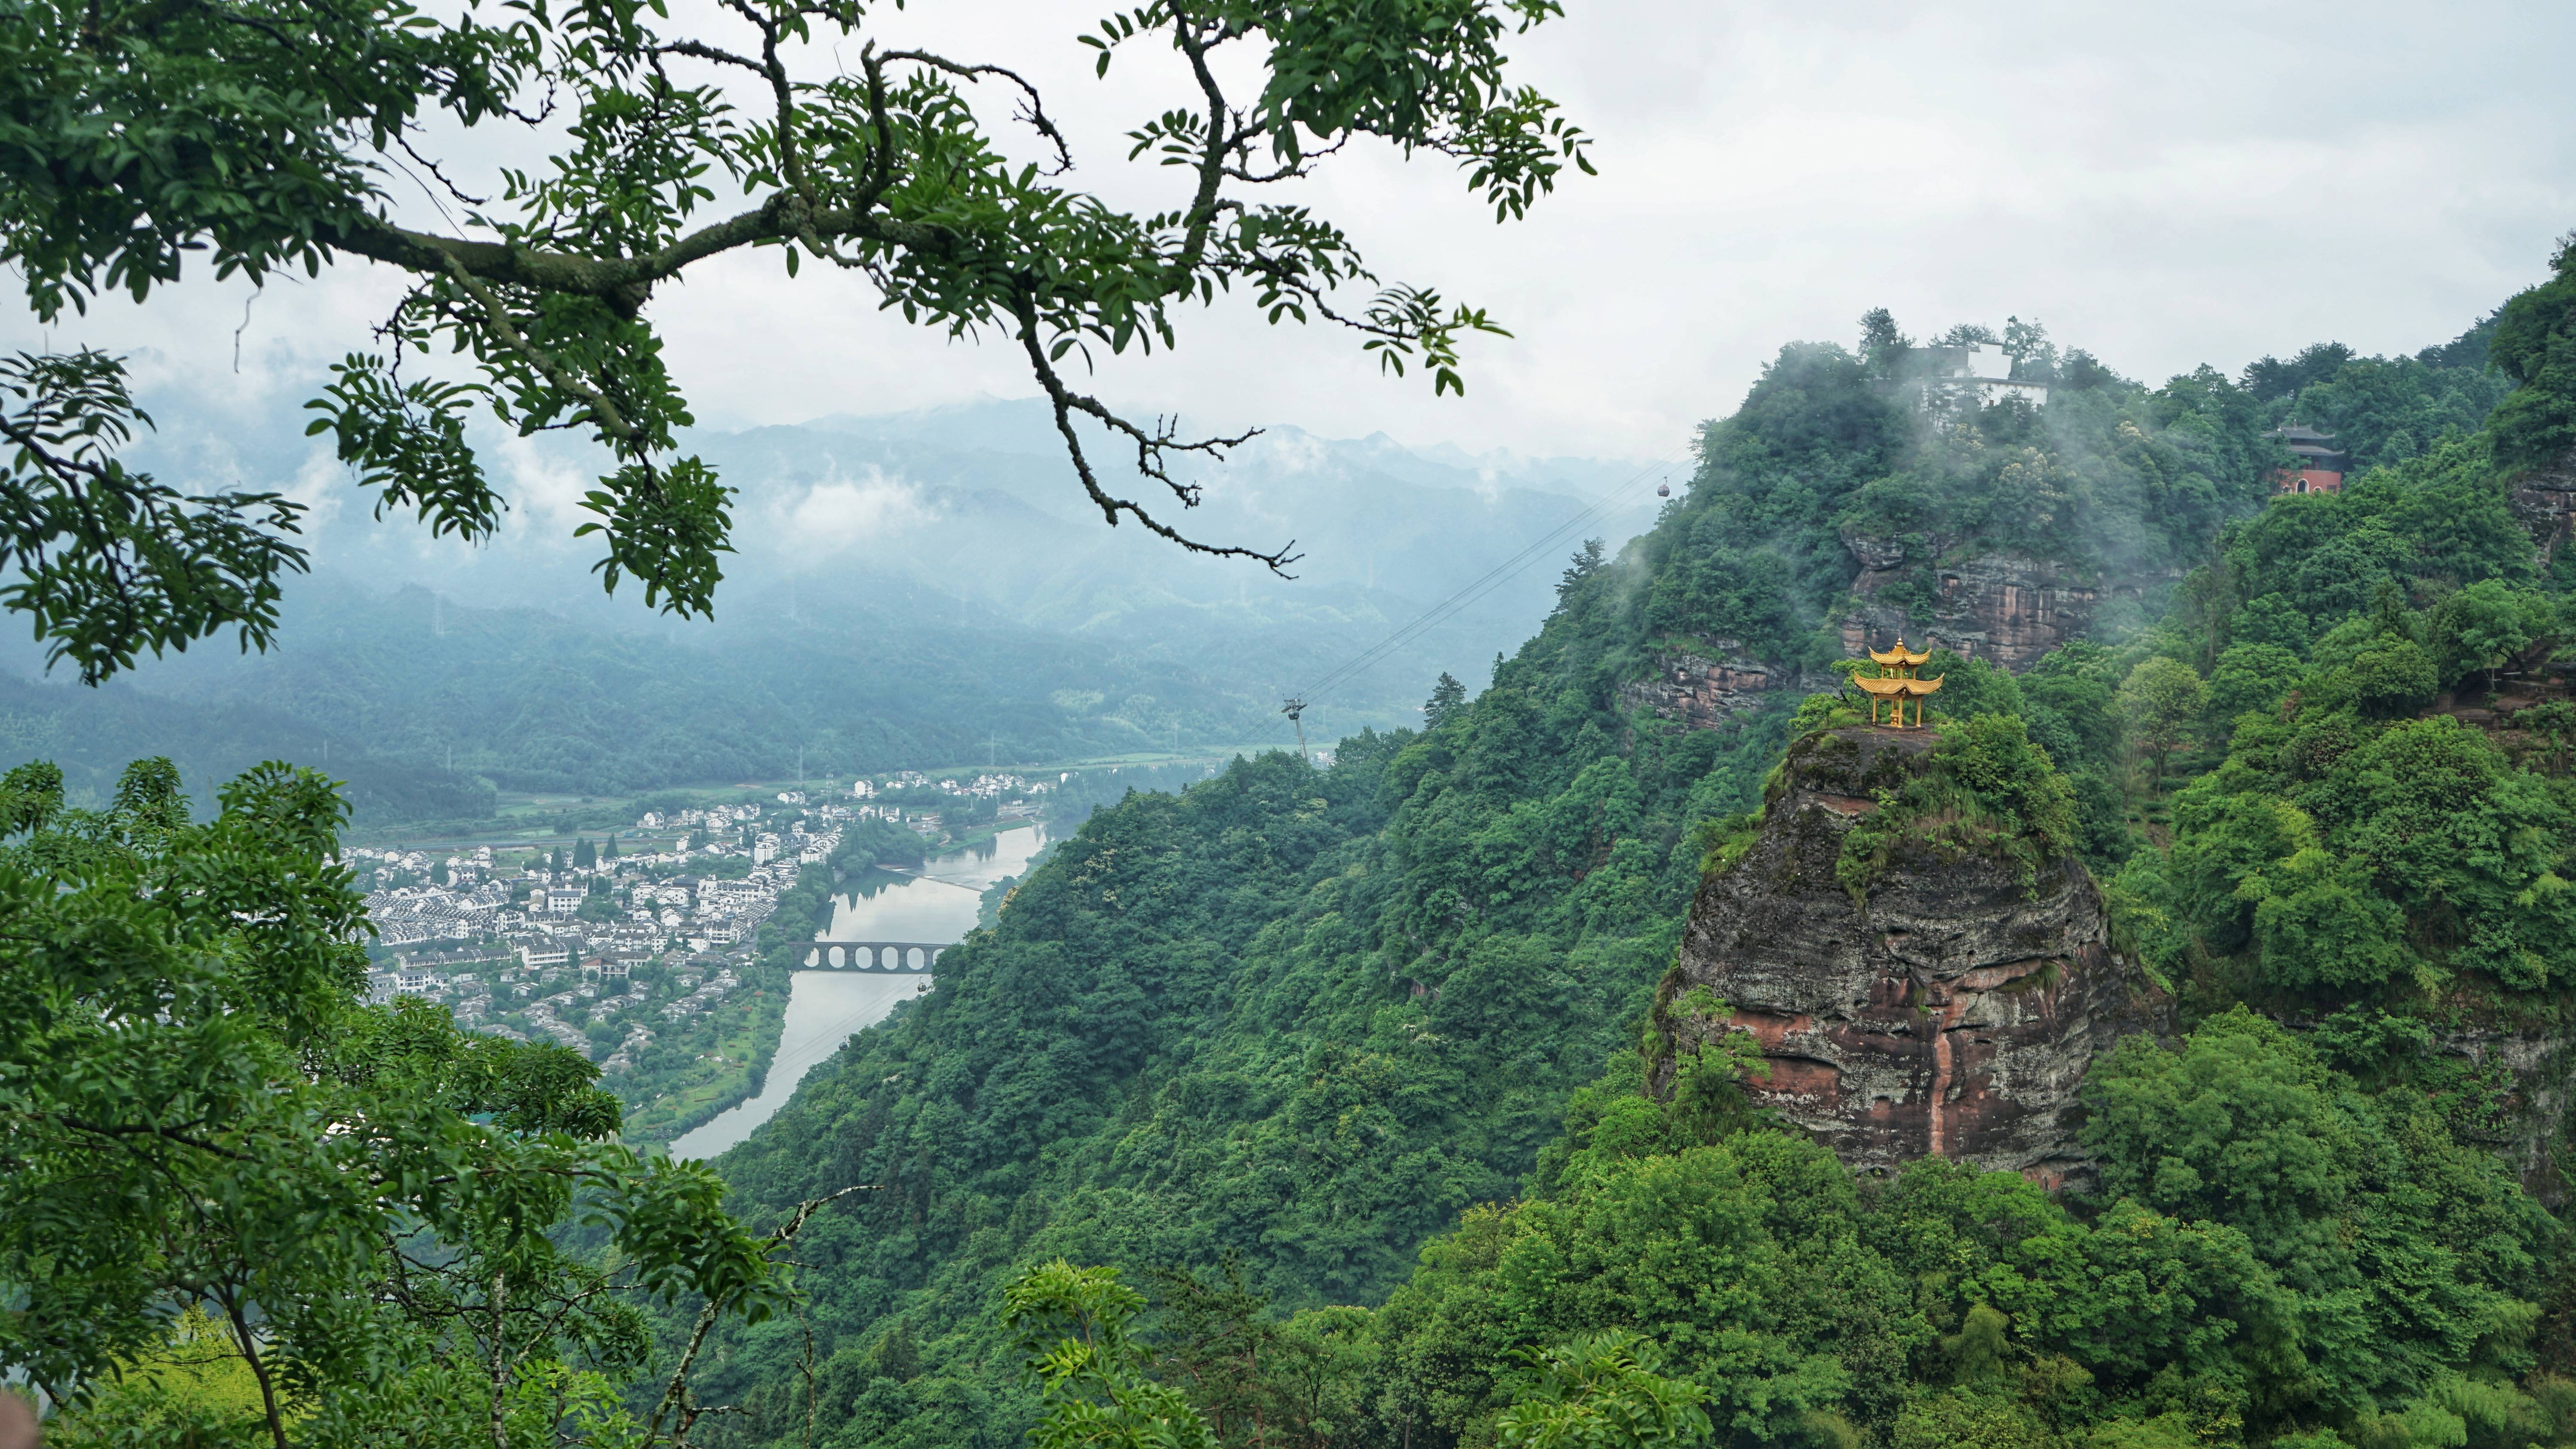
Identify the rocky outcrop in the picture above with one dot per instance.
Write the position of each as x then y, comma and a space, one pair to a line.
1953, 1013
2545, 502
2534, 1058
1996, 607
1703, 692
1875, 555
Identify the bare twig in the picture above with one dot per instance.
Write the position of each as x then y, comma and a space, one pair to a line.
1149, 448
1032, 106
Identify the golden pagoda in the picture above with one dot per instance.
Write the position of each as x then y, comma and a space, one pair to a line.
1899, 684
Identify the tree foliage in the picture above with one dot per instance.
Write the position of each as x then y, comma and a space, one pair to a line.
2535, 346
635, 149
364, 1209
1601, 1391
2161, 702
1073, 1326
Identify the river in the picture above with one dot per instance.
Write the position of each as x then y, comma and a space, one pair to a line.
825, 1008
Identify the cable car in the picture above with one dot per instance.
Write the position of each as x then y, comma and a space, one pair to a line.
1663, 490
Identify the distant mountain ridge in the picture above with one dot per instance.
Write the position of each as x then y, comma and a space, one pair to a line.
908, 590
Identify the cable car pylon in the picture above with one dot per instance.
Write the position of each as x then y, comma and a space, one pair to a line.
1295, 709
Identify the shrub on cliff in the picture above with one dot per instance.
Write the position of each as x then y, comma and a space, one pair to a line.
1985, 786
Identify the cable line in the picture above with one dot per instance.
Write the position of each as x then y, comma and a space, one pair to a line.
1492, 579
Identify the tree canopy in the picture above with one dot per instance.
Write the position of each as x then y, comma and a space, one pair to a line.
259, 135
212, 1151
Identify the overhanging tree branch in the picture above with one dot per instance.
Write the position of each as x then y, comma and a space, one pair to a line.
888, 174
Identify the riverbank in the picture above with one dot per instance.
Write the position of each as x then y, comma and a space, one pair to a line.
734, 1067
939, 900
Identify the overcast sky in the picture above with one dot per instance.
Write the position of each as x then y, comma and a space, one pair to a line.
2160, 184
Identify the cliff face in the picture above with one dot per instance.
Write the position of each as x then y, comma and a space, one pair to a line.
2538, 1062
1703, 692
1953, 1015
1995, 607
2545, 502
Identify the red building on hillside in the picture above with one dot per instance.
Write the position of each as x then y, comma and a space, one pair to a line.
2321, 464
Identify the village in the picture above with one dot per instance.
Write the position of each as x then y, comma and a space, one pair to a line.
604, 951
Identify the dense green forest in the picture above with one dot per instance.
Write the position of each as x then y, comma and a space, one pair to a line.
1307, 1105
1341, 1064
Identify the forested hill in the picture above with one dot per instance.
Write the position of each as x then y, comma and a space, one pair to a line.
1831, 496
1292, 1023
427, 703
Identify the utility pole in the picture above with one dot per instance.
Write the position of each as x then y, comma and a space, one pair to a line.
1295, 709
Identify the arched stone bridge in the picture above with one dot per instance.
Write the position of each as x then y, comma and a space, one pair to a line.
872, 955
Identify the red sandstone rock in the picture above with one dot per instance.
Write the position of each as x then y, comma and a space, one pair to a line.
1953, 1013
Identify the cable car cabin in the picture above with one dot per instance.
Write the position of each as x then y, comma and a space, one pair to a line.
1663, 490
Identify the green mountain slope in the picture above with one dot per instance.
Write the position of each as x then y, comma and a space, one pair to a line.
1312, 1016
1288, 1024
425, 705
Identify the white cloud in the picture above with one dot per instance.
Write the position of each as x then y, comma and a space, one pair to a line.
2199, 182
322, 485
839, 513
545, 489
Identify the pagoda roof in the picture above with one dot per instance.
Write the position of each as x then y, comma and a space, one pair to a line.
1899, 655
1907, 687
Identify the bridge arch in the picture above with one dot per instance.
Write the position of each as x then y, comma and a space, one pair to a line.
823, 955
